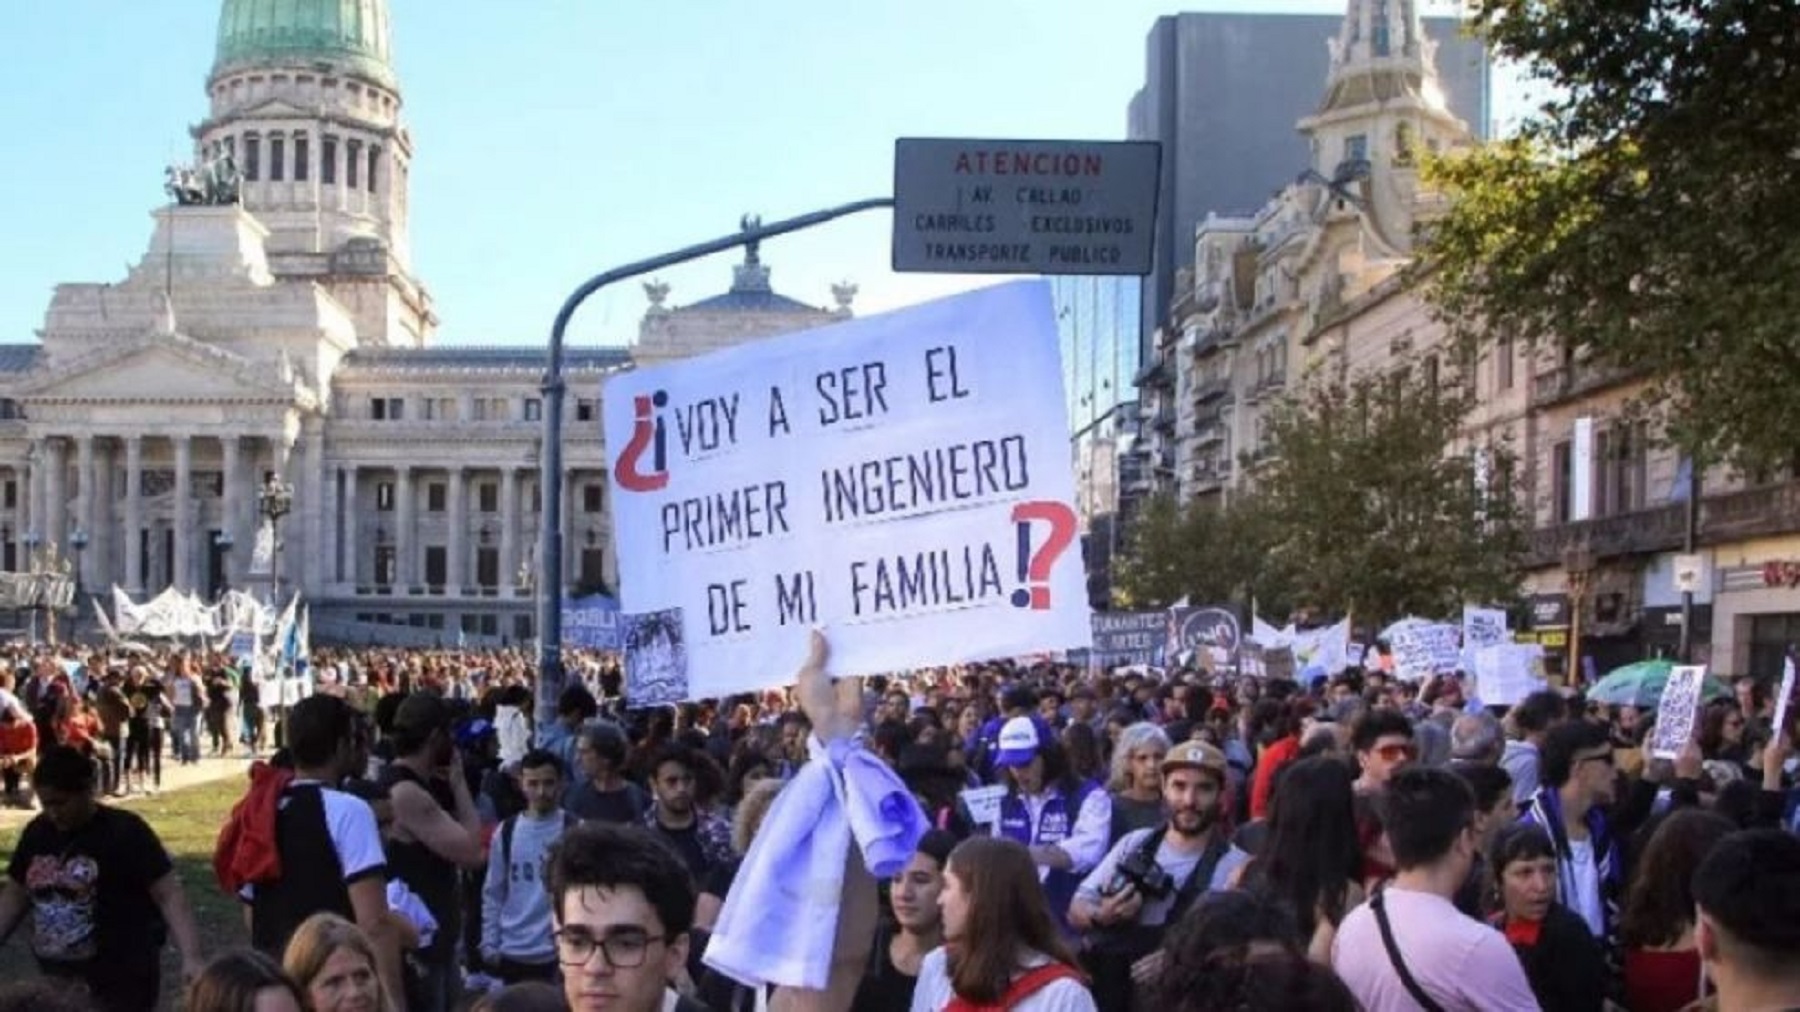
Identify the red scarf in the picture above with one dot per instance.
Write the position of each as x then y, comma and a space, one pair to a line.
1023, 987
1522, 933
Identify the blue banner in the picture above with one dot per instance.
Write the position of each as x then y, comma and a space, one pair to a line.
592, 622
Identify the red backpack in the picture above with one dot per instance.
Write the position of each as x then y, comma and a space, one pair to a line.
246, 853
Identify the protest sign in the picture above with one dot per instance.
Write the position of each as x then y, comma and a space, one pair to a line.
1785, 693
901, 480
1209, 635
1481, 628
1505, 673
983, 803
1325, 649
1128, 637
1279, 664
1676, 713
591, 622
1425, 649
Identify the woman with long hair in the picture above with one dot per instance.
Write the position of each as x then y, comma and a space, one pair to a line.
1311, 859
1135, 784
1656, 928
915, 928
332, 962
243, 980
1082, 745
1002, 948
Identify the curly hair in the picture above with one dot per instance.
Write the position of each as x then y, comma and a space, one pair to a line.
1281, 980
1222, 931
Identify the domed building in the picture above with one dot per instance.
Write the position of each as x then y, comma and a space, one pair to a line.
274, 327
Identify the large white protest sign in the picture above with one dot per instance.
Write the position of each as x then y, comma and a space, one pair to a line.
1505, 673
1676, 713
901, 480
1784, 694
1425, 649
1481, 628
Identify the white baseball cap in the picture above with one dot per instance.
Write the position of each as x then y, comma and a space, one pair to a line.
1019, 742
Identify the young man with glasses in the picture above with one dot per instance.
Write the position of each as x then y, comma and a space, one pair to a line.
1383, 743
1578, 805
623, 904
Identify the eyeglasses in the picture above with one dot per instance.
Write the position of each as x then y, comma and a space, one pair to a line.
1395, 753
624, 950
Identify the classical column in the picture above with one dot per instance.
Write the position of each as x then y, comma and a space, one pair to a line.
56, 510
570, 543
231, 506
182, 577
456, 546
350, 517
405, 573
33, 519
311, 500
330, 570
509, 525
134, 514
85, 502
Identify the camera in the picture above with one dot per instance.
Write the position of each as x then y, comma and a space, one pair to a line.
1141, 870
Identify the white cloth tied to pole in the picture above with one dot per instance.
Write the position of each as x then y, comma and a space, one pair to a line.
780, 921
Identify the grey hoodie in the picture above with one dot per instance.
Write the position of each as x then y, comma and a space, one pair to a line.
515, 906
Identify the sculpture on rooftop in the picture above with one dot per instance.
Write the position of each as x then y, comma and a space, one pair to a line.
216, 183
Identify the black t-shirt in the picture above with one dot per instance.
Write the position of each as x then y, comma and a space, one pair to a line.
719, 879
884, 988
687, 843
625, 805
91, 910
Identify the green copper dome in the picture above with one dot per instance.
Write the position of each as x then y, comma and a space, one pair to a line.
350, 35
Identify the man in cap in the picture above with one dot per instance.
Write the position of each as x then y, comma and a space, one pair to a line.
1152, 876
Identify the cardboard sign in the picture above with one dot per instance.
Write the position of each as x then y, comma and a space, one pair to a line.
1425, 649
1676, 714
1785, 693
1204, 637
1128, 637
983, 803
1505, 673
591, 622
903, 481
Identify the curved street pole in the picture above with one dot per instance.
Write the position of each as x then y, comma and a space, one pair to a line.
550, 539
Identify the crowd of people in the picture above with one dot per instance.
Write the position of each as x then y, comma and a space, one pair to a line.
1169, 840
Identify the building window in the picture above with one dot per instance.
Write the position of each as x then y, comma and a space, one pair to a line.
437, 565
534, 409
1431, 371
593, 569
384, 496
302, 164
252, 157
385, 567
487, 497
352, 162
11, 495
584, 410
537, 498
374, 161
10, 410
593, 497
277, 158
1356, 148
1562, 482
436, 496
328, 161
1503, 364
487, 567
387, 409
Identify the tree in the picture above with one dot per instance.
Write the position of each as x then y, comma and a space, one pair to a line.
1372, 509
1206, 552
1647, 215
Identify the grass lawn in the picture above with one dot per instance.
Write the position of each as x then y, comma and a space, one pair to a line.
188, 822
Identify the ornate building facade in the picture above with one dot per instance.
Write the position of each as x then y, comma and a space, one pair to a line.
283, 333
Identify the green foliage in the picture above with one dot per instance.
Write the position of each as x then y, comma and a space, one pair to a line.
1207, 553
1370, 512
1647, 215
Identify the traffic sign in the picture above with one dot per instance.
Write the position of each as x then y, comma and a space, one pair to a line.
1024, 207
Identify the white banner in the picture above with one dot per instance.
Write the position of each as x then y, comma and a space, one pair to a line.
902, 480
1426, 649
262, 556
1581, 470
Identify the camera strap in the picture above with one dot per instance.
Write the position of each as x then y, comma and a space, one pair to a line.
1200, 880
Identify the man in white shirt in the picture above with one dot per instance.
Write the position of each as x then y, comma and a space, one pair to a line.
1409, 948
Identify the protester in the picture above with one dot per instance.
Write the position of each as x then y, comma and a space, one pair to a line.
916, 928
1530, 720
100, 889
1222, 937
1311, 859
243, 980
700, 834
1151, 877
1134, 789
623, 903
327, 843
436, 833
515, 908
333, 964
601, 793
1562, 960
1657, 927
1002, 946
1062, 822
1409, 947
1747, 893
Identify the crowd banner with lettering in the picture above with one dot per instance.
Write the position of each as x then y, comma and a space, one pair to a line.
1481, 628
591, 622
901, 480
1128, 637
1424, 649
1204, 637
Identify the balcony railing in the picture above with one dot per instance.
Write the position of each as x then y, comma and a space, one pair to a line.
1567, 382
1211, 389
1165, 418
1756, 512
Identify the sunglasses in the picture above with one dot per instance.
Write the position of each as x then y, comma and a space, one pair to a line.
1395, 753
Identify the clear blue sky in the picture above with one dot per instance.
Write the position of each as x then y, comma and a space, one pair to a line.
556, 138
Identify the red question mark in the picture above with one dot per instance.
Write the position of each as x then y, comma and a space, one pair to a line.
1035, 566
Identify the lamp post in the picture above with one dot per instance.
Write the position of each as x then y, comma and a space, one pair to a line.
274, 500
1579, 561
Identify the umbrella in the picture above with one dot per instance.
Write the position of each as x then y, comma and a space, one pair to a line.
1641, 684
